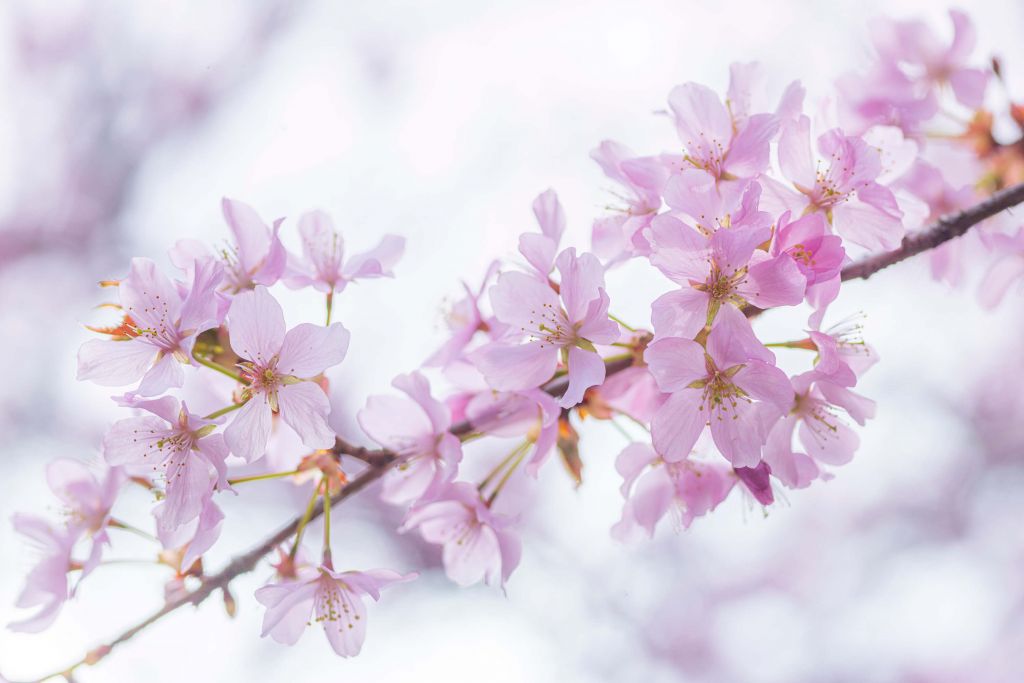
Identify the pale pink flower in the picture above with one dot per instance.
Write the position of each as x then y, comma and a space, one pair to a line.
843, 355
716, 140
477, 542
841, 183
653, 488
567, 324
825, 437
731, 387
177, 445
46, 585
884, 96
620, 234
632, 392
323, 266
276, 365
540, 250
914, 48
464, 320
330, 598
257, 256
87, 499
713, 206
726, 271
161, 325
1005, 271
416, 429
195, 536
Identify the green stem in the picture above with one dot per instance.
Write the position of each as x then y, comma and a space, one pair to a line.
501, 465
118, 524
213, 365
304, 521
330, 304
635, 421
327, 526
619, 321
504, 479
224, 411
261, 477
621, 430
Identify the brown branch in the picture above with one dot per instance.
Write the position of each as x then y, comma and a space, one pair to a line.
379, 461
947, 228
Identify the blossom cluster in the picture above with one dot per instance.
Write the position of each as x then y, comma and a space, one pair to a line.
760, 205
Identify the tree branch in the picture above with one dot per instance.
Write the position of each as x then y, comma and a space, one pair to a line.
947, 228
379, 461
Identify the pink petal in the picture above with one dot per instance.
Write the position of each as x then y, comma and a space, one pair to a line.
304, 407
748, 153
675, 363
513, 367
344, 622
774, 282
518, 299
114, 363
550, 215
475, 556
308, 350
539, 251
135, 439
582, 282
377, 262
682, 313
732, 340
586, 369
677, 424
167, 373
871, 221
766, 383
739, 434
417, 387
150, 298
251, 234
996, 283
289, 606
652, 498
633, 459
256, 326
248, 433
795, 156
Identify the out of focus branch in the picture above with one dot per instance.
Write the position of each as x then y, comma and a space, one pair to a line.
948, 227
379, 461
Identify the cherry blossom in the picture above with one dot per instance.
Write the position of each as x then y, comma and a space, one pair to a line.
276, 365
257, 256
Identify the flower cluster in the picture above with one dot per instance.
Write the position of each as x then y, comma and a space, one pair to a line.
758, 206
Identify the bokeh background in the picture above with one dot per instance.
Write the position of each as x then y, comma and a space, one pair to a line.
124, 123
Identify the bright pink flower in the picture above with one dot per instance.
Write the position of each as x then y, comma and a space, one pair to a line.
257, 256
276, 365
323, 250
653, 487
843, 185
176, 444
620, 235
731, 387
416, 429
818, 254
757, 482
914, 48
332, 599
825, 437
477, 542
1007, 269
568, 324
539, 250
46, 586
715, 139
726, 271
161, 326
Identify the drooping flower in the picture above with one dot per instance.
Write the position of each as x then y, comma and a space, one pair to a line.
46, 585
825, 437
176, 444
257, 256
276, 365
727, 270
329, 598
416, 429
842, 184
160, 327
323, 266
653, 487
568, 324
731, 386
195, 537
478, 544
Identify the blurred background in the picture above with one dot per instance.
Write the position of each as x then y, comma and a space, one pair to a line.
124, 124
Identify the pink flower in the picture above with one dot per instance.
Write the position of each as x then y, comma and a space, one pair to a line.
323, 250
726, 271
915, 49
161, 325
332, 599
620, 235
257, 256
843, 185
477, 543
532, 414
653, 488
715, 139
843, 355
195, 536
568, 324
416, 429
464, 320
87, 499
46, 586
712, 206
884, 96
539, 250
732, 387
276, 365
178, 445
825, 437
1007, 269
818, 254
